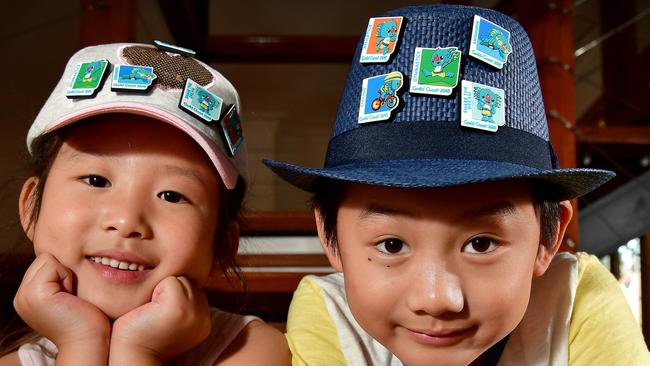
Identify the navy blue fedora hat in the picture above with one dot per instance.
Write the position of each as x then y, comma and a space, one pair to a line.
407, 120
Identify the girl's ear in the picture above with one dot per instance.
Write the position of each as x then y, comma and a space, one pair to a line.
232, 236
330, 251
26, 203
545, 253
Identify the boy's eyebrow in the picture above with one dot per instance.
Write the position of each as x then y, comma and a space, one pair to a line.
374, 208
497, 209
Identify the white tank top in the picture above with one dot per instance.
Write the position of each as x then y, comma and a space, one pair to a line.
225, 328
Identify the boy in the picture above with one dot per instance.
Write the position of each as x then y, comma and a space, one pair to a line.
441, 206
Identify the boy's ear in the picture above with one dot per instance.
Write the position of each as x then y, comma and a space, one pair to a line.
26, 203
330, 251
232, 236
545, 253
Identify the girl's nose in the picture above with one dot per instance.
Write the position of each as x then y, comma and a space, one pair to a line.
436, 291
127, 218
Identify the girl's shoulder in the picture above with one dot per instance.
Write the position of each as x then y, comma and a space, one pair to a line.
257, 344
10, 359
238, 340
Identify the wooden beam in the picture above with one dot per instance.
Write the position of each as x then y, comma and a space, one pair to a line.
551, 33
107, 21
278, 223
259, 282
622, 82
614, 134
270, 48
282, 260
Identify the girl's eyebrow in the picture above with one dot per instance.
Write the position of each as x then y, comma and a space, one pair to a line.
177, 170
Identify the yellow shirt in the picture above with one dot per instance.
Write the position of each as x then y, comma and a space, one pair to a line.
600, 331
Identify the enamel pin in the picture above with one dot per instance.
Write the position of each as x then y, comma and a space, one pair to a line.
87, 78
200, 102
380, 40
132, 77
174, 49
232, 131
435, 70
482, 107
379, 96
489, 43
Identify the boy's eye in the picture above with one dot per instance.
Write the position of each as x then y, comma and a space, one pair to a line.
96, 181
480, 245
173, 197
391, 246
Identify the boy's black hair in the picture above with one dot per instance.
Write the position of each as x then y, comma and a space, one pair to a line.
328, 195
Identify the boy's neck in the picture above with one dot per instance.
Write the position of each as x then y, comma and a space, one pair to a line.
477, 361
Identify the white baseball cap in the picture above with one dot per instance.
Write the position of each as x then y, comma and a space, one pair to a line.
161, 100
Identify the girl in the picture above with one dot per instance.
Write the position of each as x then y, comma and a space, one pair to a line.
133, 206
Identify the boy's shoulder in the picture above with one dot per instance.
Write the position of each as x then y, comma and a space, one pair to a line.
322, 330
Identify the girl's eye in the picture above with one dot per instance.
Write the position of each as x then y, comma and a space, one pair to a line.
480, 245
392, 246
173, 197
96, 181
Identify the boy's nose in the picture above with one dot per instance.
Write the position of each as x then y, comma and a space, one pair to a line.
436, 291
127, 218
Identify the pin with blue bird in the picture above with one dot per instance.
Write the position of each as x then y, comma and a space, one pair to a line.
489, 42
381, 39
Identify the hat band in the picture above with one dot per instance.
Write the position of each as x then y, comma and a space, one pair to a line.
440, 140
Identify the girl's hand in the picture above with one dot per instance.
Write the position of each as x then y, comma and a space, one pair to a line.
45, 302
176, 319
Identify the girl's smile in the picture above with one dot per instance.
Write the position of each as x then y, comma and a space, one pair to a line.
128, 202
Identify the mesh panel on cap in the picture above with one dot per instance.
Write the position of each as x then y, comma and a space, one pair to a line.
171, 71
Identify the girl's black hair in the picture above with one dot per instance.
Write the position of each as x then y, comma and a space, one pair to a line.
45, 149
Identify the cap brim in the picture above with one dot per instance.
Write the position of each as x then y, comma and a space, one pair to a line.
436, 173
224, 167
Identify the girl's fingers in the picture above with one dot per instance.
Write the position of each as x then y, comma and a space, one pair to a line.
52, 276
186, 286
178, 290
36, 265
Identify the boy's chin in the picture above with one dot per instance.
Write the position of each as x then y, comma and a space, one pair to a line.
444, 357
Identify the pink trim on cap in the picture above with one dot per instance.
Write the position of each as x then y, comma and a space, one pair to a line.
221, 162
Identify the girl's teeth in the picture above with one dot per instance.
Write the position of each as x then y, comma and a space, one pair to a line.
118, 264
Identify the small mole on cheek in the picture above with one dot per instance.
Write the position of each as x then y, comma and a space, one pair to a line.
388, 265
369, 260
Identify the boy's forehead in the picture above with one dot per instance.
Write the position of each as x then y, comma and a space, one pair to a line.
481, 199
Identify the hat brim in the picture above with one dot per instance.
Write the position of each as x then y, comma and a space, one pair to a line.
437, 173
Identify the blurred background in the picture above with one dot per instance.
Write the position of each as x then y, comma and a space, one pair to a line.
289, 60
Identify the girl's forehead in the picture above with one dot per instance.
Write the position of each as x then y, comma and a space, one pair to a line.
123, 136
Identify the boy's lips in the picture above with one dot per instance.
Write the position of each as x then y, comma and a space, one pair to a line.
441, 337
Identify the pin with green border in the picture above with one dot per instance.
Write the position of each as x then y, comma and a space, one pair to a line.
232, 131
200, 102
87, 78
